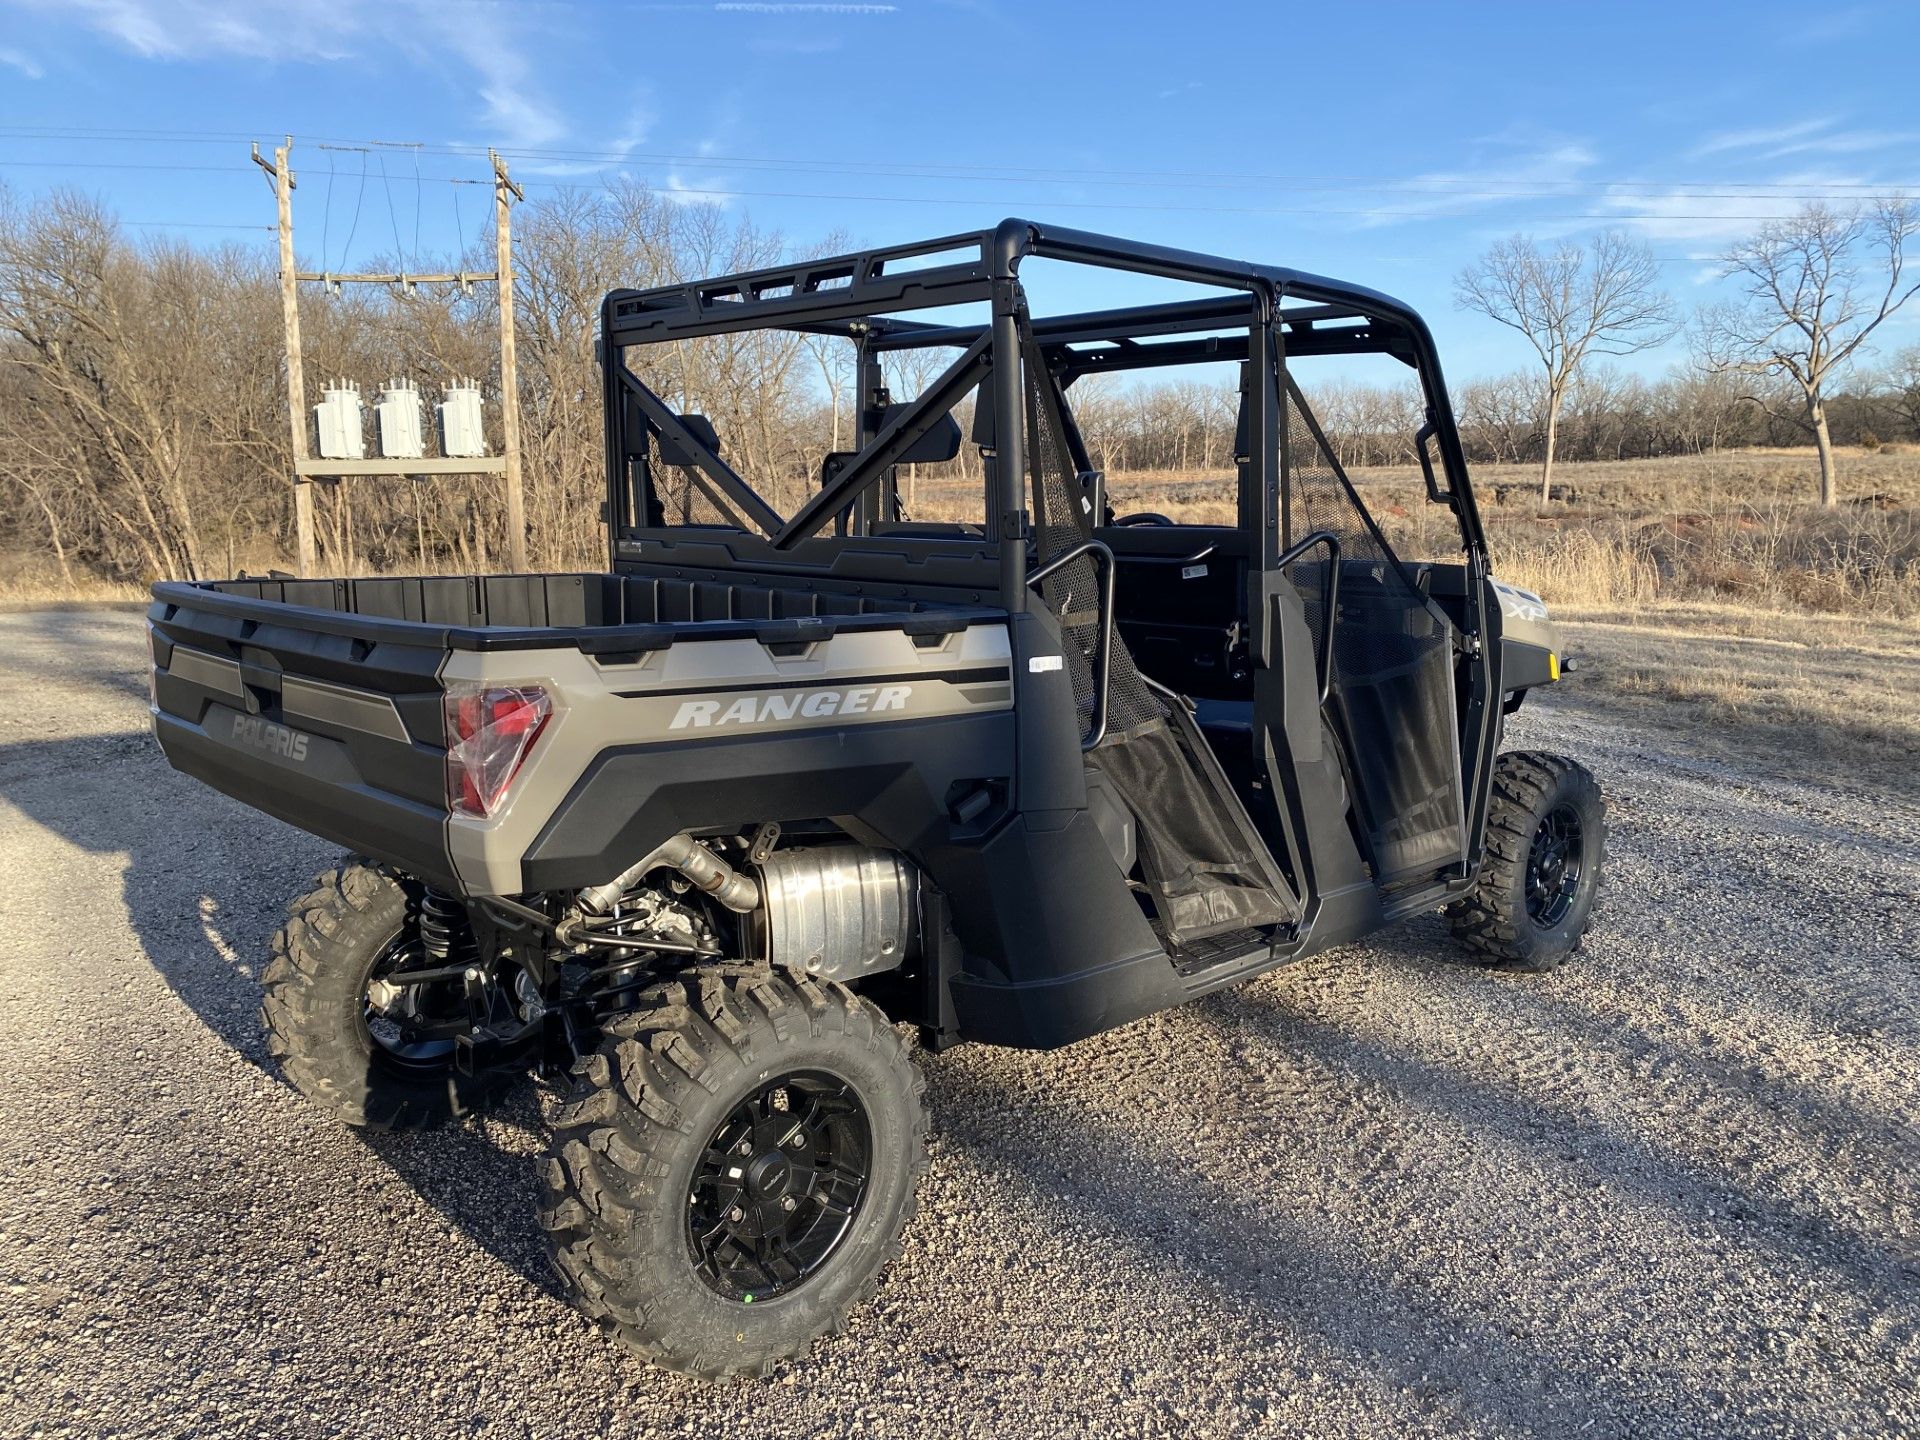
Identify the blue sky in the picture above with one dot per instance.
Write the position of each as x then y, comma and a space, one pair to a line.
1384, 143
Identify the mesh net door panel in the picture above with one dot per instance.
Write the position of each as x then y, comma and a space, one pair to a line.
1205, 868
1392, 690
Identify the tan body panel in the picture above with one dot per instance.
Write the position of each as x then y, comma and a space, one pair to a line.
717, 689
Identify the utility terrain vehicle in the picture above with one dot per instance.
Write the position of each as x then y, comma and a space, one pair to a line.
708, 832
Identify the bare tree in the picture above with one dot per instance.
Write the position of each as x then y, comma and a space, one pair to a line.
832, 354
1810, 304
1903, 384
143, 400
1572, 303
1498, 415
1101, 409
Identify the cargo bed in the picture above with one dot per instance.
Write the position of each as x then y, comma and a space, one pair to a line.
321, 701
485, 612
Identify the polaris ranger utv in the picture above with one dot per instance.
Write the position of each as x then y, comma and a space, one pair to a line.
707, 832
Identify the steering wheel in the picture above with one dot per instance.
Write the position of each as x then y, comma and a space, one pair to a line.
1144, 517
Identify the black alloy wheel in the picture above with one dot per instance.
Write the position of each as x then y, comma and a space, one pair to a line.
414, 1027
778, 1185
1539, 880
1554, 865
732, 1166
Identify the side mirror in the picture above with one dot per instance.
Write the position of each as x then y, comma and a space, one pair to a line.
701, 429
940, 444
983, 417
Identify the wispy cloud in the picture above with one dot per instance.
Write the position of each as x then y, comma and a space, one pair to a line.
794, 7
1818, 136
489, 42
1846, 142
21, 61
1727, 142
485, 40
192, 29
1676, 215
1501, 182
608, 156
1847, 23
695, 189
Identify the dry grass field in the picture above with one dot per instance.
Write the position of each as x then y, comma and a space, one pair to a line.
1734, 528
1815, 698
1698, 594
1695, 592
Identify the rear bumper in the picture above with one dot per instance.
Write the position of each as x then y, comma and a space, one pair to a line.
313, 786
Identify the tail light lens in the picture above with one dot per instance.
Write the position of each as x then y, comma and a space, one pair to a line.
490, 731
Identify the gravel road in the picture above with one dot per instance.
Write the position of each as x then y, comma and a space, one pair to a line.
1669, 1190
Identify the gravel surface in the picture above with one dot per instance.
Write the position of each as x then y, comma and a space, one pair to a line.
1668, 1190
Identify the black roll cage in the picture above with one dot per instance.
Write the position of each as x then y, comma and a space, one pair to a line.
1279, 312
857, 295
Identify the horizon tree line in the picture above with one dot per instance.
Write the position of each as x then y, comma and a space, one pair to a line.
142, 393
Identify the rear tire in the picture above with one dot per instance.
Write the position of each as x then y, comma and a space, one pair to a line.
1540, 878
739, 1112
315, 1010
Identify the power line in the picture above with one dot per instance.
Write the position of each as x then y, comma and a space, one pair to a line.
1476, 186
326, 215
393, 216
417, 192
354, 228
734, 192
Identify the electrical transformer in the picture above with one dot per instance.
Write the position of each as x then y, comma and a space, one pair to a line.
462, 433
398, 412
340, 422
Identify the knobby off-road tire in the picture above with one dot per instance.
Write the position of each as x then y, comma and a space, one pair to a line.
633, 1163
1530, 906
314, 1009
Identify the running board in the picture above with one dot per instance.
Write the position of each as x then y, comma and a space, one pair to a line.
1201, 957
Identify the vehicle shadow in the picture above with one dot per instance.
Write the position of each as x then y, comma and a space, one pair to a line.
205, 885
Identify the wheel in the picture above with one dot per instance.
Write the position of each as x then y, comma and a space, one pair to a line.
732, 1168
1546, 846
376, 1054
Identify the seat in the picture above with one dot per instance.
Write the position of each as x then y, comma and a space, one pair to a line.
1228, 728
1230, 717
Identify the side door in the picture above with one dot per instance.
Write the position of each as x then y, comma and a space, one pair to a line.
1384, 660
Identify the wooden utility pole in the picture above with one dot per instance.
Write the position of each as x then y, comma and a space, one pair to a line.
282, 174
305, 468
504, 193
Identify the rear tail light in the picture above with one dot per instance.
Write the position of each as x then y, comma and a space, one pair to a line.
490, 730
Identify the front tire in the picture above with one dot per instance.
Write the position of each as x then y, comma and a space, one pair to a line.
733, 1166
368, 1071
1546, 846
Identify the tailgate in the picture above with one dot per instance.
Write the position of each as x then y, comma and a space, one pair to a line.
330, 722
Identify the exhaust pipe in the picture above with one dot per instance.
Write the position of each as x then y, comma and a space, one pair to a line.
708, 872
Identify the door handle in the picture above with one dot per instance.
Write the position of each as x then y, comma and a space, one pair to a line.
1329, 598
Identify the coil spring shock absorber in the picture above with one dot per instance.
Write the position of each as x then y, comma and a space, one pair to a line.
445, 933
447, 938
